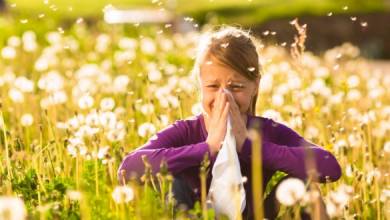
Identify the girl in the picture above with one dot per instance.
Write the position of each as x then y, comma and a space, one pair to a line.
228, 59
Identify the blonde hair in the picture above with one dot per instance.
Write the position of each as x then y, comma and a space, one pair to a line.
233, 47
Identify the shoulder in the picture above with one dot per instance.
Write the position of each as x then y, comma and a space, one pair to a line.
270, 128
264, 122
187, 126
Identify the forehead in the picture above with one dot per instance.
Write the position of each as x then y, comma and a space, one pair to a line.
213, 70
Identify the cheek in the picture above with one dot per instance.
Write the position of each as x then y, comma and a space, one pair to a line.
242, 101
207, 100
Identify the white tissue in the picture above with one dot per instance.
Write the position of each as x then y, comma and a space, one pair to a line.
227, 192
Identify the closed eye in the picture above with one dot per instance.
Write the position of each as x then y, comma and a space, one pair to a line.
237, 87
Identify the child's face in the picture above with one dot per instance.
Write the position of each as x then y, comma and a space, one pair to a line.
214, 75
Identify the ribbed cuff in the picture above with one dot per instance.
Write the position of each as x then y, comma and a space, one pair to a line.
204, 146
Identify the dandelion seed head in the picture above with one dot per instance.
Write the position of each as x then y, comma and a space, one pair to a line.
145, 129
79, 20
290, 191
26, 120
154, 75
386, 147
12, 208
85, 102
122, 194
74, 195
8, 53
16, 95
107, 104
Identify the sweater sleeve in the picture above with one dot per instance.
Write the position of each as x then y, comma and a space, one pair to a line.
165, 145
287, 151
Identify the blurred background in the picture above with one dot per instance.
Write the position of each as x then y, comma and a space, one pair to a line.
364, 23
84, 82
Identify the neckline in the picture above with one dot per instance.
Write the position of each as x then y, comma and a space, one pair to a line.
203, 125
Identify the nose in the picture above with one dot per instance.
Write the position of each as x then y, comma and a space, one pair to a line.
227, 91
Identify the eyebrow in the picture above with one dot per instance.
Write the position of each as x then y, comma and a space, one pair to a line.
230, 82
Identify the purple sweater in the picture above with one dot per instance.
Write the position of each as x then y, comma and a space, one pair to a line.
183, 145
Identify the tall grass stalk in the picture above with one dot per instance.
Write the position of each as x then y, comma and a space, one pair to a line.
257, 174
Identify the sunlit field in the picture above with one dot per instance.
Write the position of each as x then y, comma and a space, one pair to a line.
75, 101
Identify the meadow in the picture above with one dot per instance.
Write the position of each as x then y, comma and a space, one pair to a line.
74, 101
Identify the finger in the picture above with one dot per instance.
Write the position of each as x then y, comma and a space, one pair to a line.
223, 102
217, 103
234, 106
225, 111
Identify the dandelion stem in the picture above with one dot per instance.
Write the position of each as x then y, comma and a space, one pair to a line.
257, 174
96, 178
8, 162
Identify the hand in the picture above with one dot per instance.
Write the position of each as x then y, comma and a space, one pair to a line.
217, 123
238, 123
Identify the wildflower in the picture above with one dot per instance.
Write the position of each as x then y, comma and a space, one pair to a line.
122, 194
12, 208
107, 104
272, 114
116, 135
74, 195
148, 46
102, 43
16, 95
349, 170
146, 128
307, 102
42, 63
120, 84
354, 95
29, 41
8, 53
290, 191
14, 41
385, 195
102, 152
386, 147
173, 100
355, 140
311, 132
353, 81
147, 109
154, 75
51, 82
26, 120
86, 101
372, 174
126, 43
164, 120
24, 84
337, 200
339, 145
196, 108
277, 100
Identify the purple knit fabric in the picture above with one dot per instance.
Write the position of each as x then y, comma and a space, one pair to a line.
183, 145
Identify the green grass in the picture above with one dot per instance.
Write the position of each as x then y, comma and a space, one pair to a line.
238, 11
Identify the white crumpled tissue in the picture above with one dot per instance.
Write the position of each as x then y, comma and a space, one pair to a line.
227, 193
